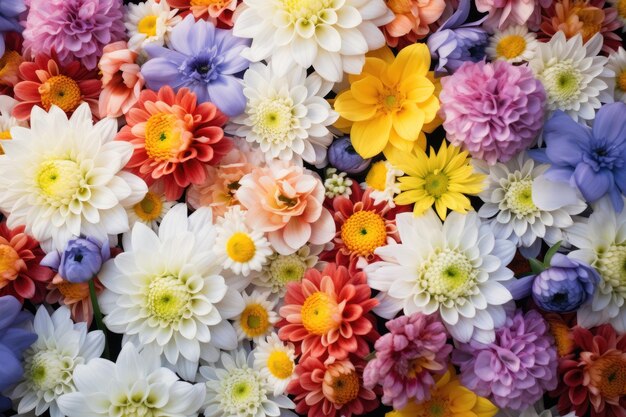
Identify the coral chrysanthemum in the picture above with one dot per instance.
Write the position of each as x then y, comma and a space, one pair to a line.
173, 137
593, 380
218, 12
329, 313
20, 273
390, 101
45, 82
331, 388
411, 21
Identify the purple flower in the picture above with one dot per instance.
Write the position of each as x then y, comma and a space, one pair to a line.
565, 286
407, 358
456, 42
9, 13
592, 159
204, 59
342, 156
80, 261
15, 336
493, 110
76, 29
517, 368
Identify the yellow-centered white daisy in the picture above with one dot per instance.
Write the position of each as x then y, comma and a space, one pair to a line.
151, 210
258, 317
149, 22
276, 361
514, 44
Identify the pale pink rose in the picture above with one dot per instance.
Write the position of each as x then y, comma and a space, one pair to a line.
286, 202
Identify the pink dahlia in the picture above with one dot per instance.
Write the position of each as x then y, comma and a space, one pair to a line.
505, 13
76, 29
286, 202
517, 368
492, 110
121, 80
407, 358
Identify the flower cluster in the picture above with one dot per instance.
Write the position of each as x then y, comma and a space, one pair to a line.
314, 208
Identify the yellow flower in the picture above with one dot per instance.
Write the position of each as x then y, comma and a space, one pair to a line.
389, 103
449, 399
438, 178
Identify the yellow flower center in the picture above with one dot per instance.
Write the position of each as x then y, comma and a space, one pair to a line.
511, 46
436, 407
621, 79
60, 91
307, 10
149, 209
611, 264
148, 25
320, 313
8, 261
72, 291
167, 299
377, 176
59, 179
519, 198
400, 6
562, 337
254, 320
240, 247
163, 138
280, 364
363, 232
390, 101
344, 387
9, 63
609, 375
436, 183
621, 8
447, 275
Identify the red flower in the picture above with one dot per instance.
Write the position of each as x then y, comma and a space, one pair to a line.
218, 12
20, 273
45, 82
593, 380
329, 312
331, 388
174, 137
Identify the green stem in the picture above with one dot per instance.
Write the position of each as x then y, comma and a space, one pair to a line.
97, 314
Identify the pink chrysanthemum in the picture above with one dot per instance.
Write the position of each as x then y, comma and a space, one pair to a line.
407, 358
121, 80
76, 29
493, 110
329, 313
333, 388
505, 13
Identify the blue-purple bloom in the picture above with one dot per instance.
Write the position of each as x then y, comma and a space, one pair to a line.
342, 156
592, 159
204, 59
9, 13
456, 42
80, 261
15, 336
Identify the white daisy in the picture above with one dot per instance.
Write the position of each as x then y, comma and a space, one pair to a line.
258, 317
6, 120
49, 364
136, 385
569, 72
332, 36
522, 206
149, 22
63, 178
617, 79
337, 184
381, 178
165, 291
238, 247
456, 268
287, 116
276, 361
280, 270
601, 242
151, 210
514, 44
236, 389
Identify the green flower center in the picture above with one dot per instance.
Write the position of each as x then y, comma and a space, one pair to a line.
59, 180
306, 12
611, 264
436, 183
273, 120
447, 275
139, 403
49, 371
563, 83
519, 198
286, 269
168, 298
242, 392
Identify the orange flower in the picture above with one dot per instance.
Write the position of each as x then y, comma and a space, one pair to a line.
218, 12
411, 20
75, 296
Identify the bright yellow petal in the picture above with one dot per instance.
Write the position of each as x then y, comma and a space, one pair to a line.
411, 196
441, 208
421, 206
408, 121
406, 161
484, 408
410, 182
414, 59
430, 108
367, 90
383, 53
351, 109
370, 137
417, 88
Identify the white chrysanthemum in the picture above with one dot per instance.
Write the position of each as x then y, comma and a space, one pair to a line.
280, 270
149, 22
382, 179
151, 210
236, 389
287, 116
63, 178
617, 79
523, 206
601, 242
570, 73
135, 386
49, 364
165, 291
514, 44
258, 317
6, 120
337, 184
333, 36
238, 247
455, 268
276, 361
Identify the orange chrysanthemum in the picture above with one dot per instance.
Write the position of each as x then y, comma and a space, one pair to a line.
412, 20
218, 12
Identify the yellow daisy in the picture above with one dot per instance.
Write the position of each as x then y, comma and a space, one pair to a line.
449, 399
441, 179
389, 103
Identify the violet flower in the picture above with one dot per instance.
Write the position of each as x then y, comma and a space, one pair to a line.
9, 13
80, 261
342, 156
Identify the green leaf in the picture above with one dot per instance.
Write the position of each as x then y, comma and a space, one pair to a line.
550, 253
536, 266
